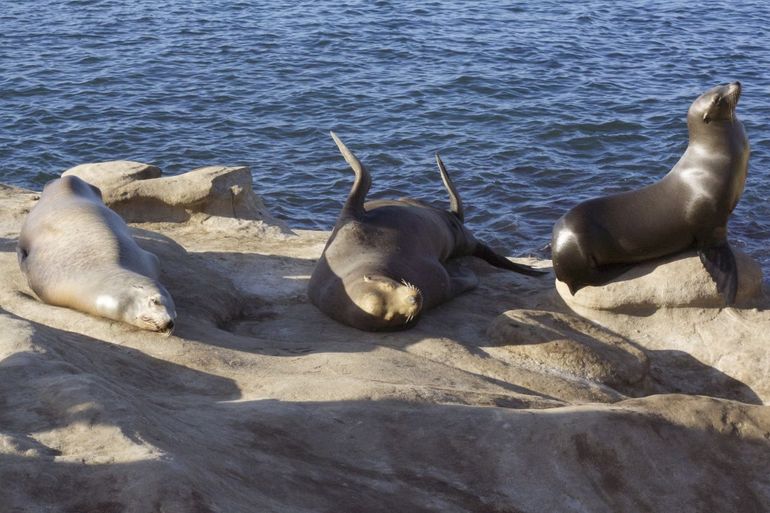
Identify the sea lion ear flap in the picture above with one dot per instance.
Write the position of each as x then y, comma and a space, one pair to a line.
367, 278
712, 109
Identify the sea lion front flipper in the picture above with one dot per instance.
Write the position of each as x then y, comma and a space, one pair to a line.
21, 254
455, 203
719, 261
486, 253
461, 278
354, 205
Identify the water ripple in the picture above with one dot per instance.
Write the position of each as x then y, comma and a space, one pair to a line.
533, 107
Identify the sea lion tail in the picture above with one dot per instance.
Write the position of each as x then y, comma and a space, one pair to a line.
486, 253
354, 205
455, 203
719, 261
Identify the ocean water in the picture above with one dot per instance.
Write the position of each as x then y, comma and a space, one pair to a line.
534, 106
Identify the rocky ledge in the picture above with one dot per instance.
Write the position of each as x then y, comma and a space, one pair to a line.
507, 399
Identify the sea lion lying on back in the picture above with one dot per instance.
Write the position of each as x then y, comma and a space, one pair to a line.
688, 208
385, 262
76, 252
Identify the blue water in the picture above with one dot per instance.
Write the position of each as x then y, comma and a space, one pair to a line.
533, 106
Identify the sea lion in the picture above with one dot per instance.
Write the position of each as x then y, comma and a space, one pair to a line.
688, 208
76, 252
387, 261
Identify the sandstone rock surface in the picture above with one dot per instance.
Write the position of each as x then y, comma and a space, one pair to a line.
140, 194
503, 400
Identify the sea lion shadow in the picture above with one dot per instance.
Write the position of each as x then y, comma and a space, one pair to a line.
668, 371
236, 300
678, 372
8, 245
218, 287
628, 272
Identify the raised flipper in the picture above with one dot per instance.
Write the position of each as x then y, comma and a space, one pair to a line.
455, 203
486, 253
354, 205
719, 261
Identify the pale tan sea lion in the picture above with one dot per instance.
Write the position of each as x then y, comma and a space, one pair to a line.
389, 260
76, 252
598, 239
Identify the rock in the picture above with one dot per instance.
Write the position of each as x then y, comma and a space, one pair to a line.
139, 194
564, 343
671, 282
111, 176
258, 402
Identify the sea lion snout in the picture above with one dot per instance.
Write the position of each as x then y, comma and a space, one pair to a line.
716, 104
169, 327
152, 308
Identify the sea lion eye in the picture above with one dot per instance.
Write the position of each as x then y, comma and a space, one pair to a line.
155, 301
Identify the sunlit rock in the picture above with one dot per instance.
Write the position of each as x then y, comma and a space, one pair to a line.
139, 194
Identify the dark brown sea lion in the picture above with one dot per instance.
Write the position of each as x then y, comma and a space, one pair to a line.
387, 261
688, 208
76, 252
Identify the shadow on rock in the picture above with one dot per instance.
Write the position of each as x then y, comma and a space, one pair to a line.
71, 406
666, 453
8, 245
201, 291
680, 372
566, 343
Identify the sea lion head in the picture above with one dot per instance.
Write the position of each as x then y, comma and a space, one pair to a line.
382, 303
146, 305
715, 105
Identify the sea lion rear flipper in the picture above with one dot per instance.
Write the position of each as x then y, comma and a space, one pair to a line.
486, 253
354, 205
719, 261
455, 203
